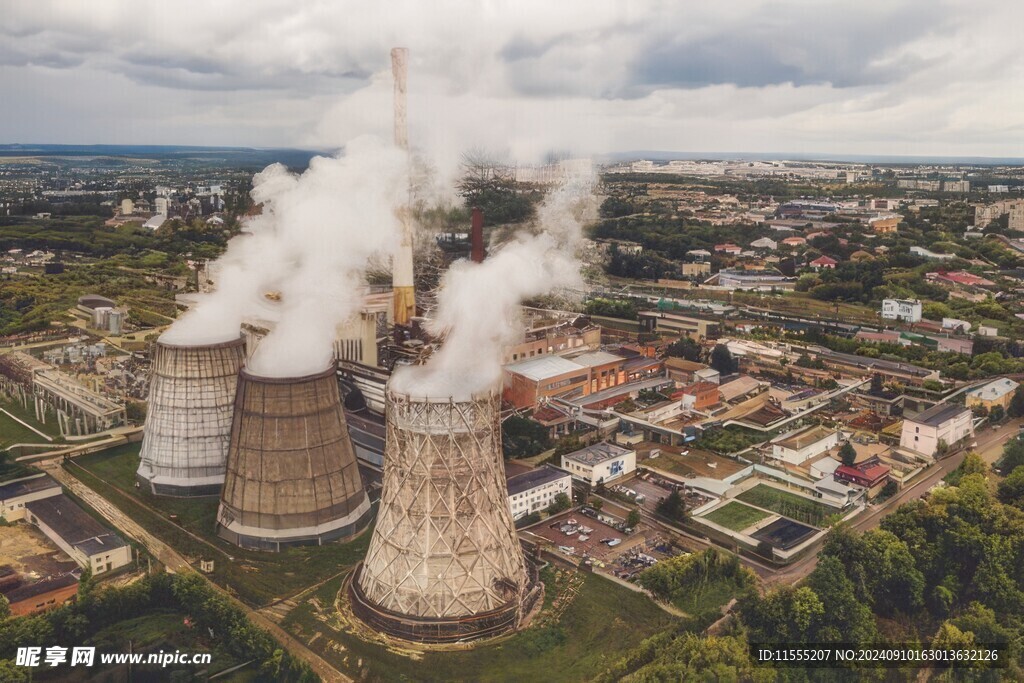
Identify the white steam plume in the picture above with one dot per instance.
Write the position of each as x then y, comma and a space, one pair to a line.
478, 303
312, 244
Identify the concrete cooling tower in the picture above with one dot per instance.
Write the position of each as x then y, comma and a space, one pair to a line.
444, 563
291, 477
188, 423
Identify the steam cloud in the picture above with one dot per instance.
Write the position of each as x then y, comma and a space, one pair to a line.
478, 303
312, 244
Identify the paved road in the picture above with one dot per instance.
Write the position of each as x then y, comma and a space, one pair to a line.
176, 563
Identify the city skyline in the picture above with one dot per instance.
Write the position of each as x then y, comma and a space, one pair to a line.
811, 79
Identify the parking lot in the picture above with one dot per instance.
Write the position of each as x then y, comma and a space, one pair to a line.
576, 524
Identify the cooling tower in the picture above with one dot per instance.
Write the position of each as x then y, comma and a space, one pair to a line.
188, 423
444, 563
291, 476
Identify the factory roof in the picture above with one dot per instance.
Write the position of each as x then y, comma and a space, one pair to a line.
597, 453
804, 437
740, 386
74, 525
684, 365
938, 414
16, 488
95, 301
544, 367
41, 587
534, 478
995, 389
595, 358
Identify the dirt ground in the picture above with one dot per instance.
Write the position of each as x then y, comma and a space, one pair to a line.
696, 461
26, 549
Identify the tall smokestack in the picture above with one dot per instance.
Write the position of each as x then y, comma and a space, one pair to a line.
476, 236
402, 281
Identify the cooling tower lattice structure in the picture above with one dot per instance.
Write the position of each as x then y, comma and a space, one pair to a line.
292, 477
188, 423
444, 563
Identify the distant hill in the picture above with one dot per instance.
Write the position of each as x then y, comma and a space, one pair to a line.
661, 155
227, 156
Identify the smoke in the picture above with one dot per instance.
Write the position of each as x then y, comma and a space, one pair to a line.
311, 246
478, 303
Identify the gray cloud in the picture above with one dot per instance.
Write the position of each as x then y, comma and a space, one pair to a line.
587, 75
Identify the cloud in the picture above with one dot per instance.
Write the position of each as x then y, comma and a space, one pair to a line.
597, 76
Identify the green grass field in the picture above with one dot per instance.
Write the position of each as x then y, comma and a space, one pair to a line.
255, 577
12, 432
735, 516
597, 627
787, 504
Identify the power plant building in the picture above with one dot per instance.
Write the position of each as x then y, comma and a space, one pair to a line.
188, 424
292, 477
444, 563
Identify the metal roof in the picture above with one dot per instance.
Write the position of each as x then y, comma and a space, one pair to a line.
938, 414
544, 367
534, 478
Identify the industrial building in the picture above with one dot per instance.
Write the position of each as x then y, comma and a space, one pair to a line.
803, 444
536, 489
662, 322
444, 563
943, 422
292, 477
997, 393
188, 424
79, 409
39, 500
600, 463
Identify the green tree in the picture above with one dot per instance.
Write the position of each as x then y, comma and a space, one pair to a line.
1011, 489
673, 507
5, 608
972, 464
684, 348
522, 437
848, 454
787, 615
560, 503
1016, 408
846, 619
633, 518
722, 360
9, 673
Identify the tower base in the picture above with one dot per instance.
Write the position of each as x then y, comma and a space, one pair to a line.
275, 540
199, 487
434, 630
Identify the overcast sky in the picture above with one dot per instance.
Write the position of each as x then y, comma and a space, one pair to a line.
929, 77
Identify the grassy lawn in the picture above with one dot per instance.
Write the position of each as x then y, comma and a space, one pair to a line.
707, 597
587, 623
735, 516
787, 504
12, 432
257, 578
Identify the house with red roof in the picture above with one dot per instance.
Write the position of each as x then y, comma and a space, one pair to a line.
729, 248
870, 474
823, 262
794, 241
